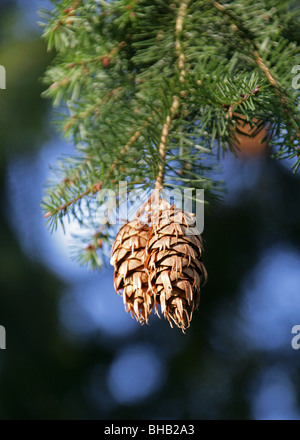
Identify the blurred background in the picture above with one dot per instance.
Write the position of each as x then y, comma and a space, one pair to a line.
72, 351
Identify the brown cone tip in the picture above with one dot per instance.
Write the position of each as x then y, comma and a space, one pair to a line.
160, 264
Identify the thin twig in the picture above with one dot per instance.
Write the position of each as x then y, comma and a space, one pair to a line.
131, 141
163, 142
93, 189
230, 108
176, 101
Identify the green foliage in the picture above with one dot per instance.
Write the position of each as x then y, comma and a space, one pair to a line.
119, 65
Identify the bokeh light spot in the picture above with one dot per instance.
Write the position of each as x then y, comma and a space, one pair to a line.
136, 373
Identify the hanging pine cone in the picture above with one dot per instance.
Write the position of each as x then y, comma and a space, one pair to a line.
174, 263
131, 280
161, 265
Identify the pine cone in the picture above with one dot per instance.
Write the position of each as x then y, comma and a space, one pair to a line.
174, 263
131, 279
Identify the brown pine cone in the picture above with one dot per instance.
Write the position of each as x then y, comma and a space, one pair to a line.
131, 279
174, 263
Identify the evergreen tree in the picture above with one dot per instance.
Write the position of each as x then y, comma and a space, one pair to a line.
152, 93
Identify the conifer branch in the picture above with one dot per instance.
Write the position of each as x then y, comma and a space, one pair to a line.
175, 103
261, 64
131, 141
255, 52
97, 186
63, 208
114, 68
230, 108
105, 59
266, 71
